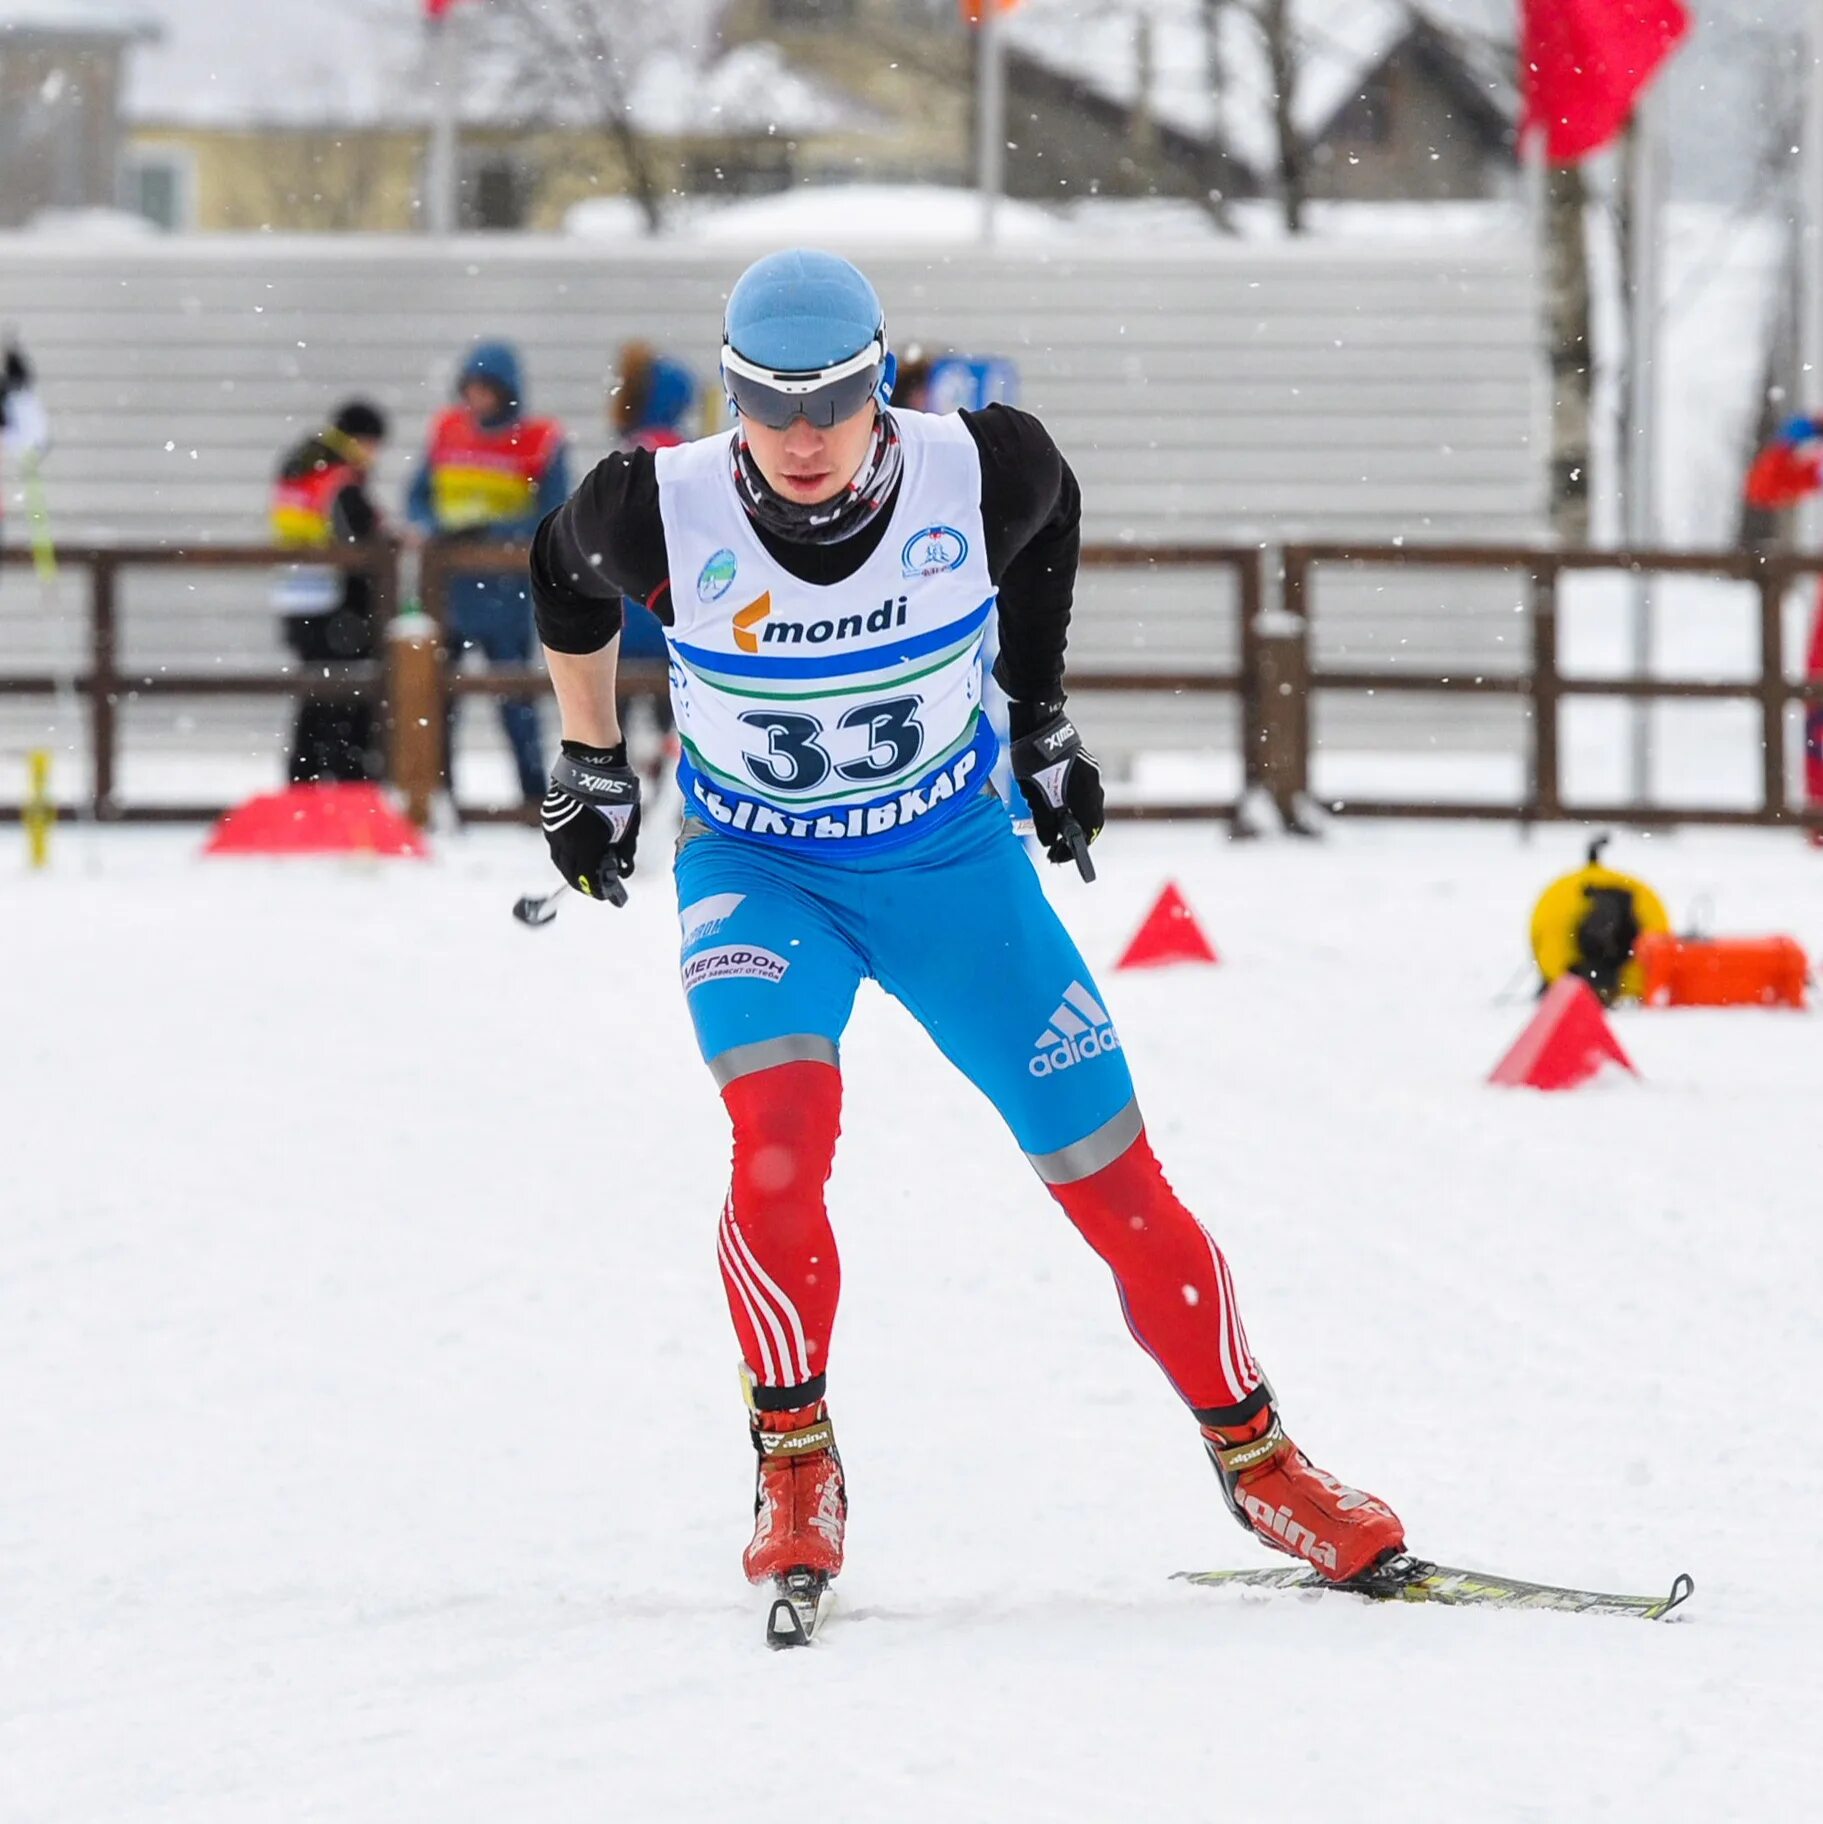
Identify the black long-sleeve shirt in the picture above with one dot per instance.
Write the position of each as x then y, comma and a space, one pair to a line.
608, 541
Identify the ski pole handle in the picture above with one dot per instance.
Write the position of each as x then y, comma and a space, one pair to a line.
1079, 846
536, 909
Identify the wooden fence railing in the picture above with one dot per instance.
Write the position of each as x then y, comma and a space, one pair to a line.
105, 685
1274, 682
1541, 683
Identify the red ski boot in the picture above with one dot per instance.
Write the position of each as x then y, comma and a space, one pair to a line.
799, 1506
1275, 1491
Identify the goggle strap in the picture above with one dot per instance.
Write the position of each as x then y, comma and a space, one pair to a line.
733, 362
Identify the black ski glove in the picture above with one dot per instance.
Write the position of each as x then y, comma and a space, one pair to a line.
1061, 780
591, 818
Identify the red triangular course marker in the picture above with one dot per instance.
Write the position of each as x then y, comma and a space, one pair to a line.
316, 820
1170, 934
1568, 1041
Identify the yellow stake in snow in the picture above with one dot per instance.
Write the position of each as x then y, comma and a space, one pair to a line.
40, 812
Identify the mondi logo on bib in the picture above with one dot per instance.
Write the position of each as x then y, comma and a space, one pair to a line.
1079, 1030
755, 624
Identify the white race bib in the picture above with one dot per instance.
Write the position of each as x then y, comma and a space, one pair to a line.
829, 717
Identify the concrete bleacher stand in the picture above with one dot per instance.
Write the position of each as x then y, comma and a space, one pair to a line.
1221, 392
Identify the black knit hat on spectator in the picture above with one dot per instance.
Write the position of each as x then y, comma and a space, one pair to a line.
360, 419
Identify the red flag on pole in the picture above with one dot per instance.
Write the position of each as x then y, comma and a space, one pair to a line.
1582, 64
972, 10
435, 9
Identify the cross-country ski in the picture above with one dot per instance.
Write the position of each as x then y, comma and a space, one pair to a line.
1408, 1579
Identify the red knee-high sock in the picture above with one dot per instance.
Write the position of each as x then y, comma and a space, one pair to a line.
1174, 1284
778, 1254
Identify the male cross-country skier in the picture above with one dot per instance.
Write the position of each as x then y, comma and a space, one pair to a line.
825, 574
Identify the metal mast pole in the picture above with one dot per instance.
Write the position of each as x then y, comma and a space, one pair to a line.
1644, 224
439, 213
1808, 395
990, 116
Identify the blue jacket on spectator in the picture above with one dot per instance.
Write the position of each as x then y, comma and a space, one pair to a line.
491, 472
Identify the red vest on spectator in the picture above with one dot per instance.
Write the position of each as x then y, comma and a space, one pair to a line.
1780, 477
303, 506
303, 519
481, 477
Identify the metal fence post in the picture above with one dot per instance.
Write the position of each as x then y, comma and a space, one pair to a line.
1772, 582
104, 685
1547, 787
1281, 697
1253, 728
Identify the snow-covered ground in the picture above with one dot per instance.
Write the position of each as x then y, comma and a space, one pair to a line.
373, 1450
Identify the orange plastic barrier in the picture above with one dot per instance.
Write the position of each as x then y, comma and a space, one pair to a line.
1170, 934
1565, 1042
316, 820
1721, 971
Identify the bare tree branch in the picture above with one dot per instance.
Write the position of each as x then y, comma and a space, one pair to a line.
573, 63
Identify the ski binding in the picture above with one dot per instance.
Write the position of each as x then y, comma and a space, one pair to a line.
1403, 1578
800, 1599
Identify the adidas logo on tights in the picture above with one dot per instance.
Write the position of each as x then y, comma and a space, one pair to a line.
1079, 1030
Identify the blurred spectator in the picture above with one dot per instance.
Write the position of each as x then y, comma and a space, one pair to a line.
1788, 470
319, 500
24, 430
652, 401
650, 408
490, 472
925, 382
911, 384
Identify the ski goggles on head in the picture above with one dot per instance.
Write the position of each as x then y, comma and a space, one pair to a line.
825, 396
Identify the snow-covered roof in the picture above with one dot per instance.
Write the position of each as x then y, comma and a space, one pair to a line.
98, 18
239, 63
1221, 90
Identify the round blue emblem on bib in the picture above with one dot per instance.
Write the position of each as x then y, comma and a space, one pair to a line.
716, 577
935, 549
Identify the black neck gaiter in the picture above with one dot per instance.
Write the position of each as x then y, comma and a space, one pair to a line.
829, 521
